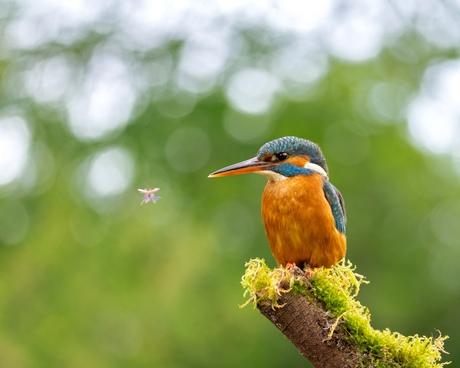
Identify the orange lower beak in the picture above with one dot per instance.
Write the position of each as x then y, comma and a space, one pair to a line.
248, 166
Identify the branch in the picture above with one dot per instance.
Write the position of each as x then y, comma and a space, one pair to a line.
322, 319
307, 328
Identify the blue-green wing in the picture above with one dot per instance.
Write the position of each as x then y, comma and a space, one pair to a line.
337, 204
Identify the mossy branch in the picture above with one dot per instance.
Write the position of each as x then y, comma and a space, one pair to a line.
319, 314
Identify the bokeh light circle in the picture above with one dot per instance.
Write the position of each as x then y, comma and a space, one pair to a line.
110, 172
14, 145
252, 90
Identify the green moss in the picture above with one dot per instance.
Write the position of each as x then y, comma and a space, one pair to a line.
337, 288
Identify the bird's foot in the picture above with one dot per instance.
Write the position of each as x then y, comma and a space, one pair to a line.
310, 272
290, 265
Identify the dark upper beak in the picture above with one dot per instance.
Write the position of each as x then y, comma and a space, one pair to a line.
248, 166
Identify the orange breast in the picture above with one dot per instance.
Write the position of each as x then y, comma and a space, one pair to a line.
299, 223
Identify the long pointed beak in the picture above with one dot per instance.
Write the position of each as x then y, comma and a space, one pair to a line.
248, 166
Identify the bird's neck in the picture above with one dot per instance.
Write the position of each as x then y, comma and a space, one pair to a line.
300, 186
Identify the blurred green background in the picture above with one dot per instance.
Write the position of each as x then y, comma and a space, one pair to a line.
98, 99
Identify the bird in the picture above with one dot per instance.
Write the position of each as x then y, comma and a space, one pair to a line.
303, 213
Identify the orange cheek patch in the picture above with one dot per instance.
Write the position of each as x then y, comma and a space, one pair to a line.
298, 160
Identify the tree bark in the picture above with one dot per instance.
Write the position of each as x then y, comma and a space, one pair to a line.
308, 326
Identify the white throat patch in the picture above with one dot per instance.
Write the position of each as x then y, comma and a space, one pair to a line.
317, 169
271, 175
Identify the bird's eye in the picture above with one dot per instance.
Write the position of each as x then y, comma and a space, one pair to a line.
282, 156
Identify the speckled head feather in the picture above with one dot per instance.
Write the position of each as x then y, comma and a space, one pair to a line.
294, 146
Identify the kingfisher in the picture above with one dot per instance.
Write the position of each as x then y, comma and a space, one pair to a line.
303, 213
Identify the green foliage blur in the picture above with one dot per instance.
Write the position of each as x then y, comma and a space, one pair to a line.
99, 103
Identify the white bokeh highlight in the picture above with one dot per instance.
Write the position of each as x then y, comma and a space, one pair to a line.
356, 39
300, 62
252, 90
299, 15
434, 114
15, 139
48, 80
53, 20
110, 173
202, 59
105, 100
